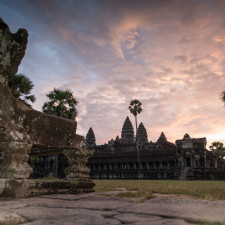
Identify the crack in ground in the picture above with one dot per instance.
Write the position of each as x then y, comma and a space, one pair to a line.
188, 220
115, 212
118, 212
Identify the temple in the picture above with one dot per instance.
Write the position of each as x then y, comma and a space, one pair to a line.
187, 159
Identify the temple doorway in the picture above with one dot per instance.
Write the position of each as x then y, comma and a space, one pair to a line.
188, 162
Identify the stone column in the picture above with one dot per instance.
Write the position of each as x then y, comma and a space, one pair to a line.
14, 165
77, 159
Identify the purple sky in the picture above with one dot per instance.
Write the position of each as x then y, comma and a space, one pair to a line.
168, 54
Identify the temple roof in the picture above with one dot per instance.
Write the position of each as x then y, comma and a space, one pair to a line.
186, 136
162, 137
127, 133
142, 135
90, 139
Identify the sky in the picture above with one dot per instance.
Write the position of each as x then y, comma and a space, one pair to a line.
170, 55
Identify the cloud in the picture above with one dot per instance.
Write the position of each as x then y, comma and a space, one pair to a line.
168, 54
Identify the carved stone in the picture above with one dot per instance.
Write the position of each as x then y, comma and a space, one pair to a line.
14, 140
77, 159
15, 160
22, 127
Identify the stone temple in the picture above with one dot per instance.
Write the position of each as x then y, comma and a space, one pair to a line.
186, 159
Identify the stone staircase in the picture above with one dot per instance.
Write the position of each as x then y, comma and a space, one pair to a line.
183, 173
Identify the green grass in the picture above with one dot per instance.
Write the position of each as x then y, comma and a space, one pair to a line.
207, 190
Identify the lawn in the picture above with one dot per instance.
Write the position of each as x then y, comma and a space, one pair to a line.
207, 190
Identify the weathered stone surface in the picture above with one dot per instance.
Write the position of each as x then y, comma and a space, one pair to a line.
51, 131
77, 159
26, 187
95, 209
11, 218
15, 160
22, 127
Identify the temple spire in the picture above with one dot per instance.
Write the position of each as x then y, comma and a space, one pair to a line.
142, 136
127, 133
90, 139
162, 138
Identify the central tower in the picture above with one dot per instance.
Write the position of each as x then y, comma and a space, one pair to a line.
127, 133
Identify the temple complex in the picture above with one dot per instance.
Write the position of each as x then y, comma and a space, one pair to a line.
187, 159
36, 145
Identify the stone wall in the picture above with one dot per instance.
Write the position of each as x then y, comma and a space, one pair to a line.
21, 127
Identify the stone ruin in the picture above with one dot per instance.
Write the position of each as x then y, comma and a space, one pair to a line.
21, 127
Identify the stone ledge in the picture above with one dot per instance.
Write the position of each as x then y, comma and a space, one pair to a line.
26, 187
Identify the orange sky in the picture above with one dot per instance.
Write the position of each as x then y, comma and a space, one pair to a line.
168, 54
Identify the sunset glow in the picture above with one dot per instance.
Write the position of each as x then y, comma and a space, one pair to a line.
168, 54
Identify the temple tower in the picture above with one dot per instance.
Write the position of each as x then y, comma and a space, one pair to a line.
142, 136
127, 133
90, 139
162, 138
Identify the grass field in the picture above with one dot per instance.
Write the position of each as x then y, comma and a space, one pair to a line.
207, 190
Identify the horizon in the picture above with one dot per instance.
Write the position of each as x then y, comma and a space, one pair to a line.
168, 55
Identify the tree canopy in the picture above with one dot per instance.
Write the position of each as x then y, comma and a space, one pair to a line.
61, 103
218, 149
21, 87
223, 97
135, 107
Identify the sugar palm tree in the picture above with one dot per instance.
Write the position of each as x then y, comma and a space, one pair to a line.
135, 109
223, 97
61, 103
21, 87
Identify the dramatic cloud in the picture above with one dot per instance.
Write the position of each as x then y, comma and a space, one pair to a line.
167, 54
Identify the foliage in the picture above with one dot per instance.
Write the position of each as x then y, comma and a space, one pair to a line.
218, 149
21, 87
222, 97
61, 103
135, 107
208, 190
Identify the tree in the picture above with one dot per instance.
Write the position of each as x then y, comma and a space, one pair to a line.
222, 96
61, 103
218, 149
21, 87
135, 109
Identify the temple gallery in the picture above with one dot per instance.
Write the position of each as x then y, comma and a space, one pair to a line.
186, 159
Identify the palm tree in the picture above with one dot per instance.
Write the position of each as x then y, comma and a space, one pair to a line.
218, 149
21, 87
135, 109
223, 97
61, 103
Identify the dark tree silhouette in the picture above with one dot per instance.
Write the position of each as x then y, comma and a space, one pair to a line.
135, 109
21, 87
218, 149
222, 96
61, 103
